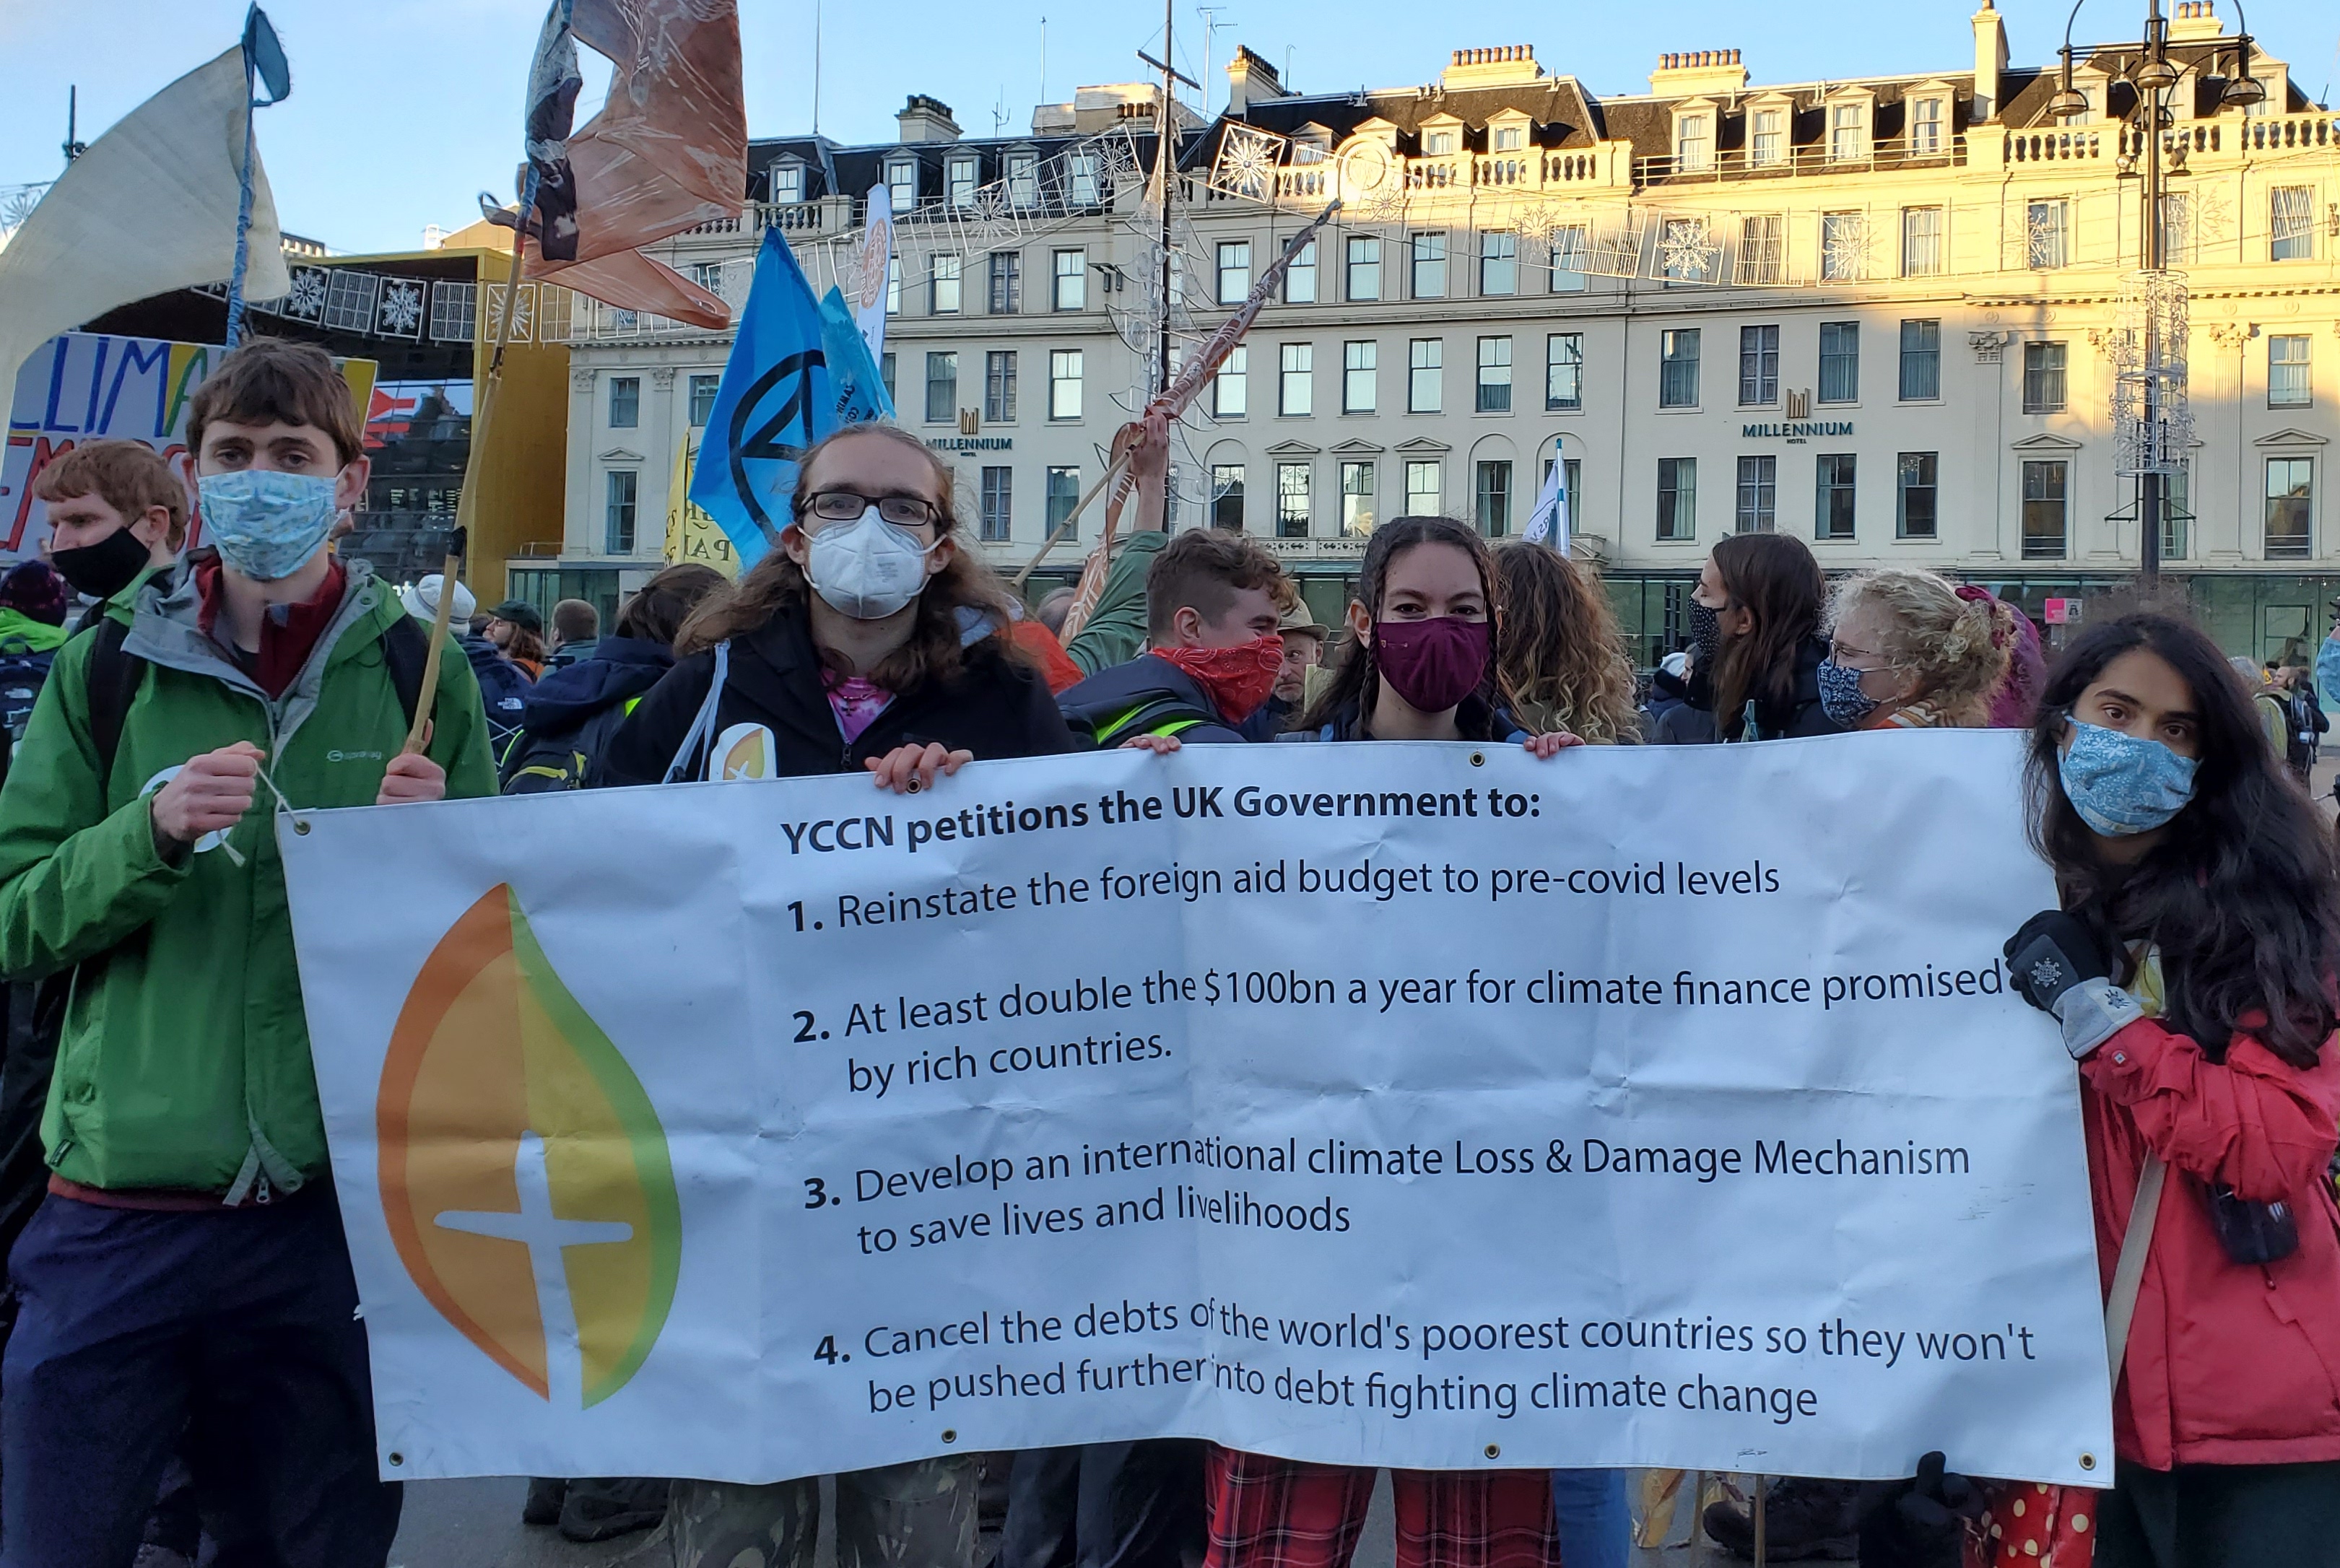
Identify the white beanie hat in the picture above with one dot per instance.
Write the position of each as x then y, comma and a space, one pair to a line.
421, 599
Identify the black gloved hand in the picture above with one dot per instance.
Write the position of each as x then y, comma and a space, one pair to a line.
1919, 1522
2052, 953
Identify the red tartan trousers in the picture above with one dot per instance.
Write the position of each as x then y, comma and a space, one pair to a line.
1282, 1513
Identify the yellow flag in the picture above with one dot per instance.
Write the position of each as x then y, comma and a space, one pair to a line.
691, 533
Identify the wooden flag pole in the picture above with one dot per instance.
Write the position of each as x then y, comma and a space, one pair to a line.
420, 730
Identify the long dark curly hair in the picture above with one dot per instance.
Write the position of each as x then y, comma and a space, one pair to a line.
777, 585
1359, 681
2240, 893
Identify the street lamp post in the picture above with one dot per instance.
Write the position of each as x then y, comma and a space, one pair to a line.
2153, 376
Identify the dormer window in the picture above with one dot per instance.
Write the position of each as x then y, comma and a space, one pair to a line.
788, 182
1510, 138
1023, 185
902, 184
1767, 138
1926, 133
1082, 186
1848, 133
1438, 144
1694, 142
959, 181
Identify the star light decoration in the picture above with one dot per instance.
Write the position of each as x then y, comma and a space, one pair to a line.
398, 313
1688, 251
1248, 163
1846, 247
307, 300
16, 204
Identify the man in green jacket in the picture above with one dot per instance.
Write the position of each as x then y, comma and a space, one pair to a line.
187, 1272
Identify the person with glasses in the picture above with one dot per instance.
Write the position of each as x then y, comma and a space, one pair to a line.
1908, 651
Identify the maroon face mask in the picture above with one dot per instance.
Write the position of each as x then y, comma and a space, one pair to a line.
1433, 664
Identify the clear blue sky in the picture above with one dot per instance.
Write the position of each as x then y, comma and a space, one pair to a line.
402, 110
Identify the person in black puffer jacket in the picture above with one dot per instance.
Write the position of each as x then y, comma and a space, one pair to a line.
571, 713
1756, 617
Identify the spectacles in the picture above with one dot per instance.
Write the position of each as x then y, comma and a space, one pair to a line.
845, 505
1844, 657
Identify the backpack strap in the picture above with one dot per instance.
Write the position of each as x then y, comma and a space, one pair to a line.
1163, 716
113, 678
405, 649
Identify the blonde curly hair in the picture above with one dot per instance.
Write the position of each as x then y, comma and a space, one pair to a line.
1958, 648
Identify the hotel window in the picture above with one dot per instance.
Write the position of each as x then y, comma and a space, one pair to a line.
1082, 188
885, 375
1295, 382
1564, 371
1757, 511
1766, 140
1492, 499
1438, 144
1293, 502
1023, 180
1569, 246
788, 182
2289, 383
1063, 494
1364, 267
1230, 387
1844, 247
997, 502
1499, 263
1832, 503
625, 402
2046, 236
1227, 495
893, 285
1430, 266
2177, 230
618, 519
1494, 394
1914, 514
1921, 241
942, 388
1677, 498
1007, 283
1511, 138
1234, 271
999, 386
1694, 142
1925, 127
1848, 133
1356, 499
1921, 361
902, 185
702, 398
2043, 378
958, 189
1070, 276
1763, 249
2291, 223
2043, 509
1758, 366
1678, 368
1360, 376
1425, 377
942, 298
1839, 361
2290, 503
1426, 488
1064, 384
1299, 277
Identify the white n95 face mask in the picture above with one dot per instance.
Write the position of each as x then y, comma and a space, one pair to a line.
866, 568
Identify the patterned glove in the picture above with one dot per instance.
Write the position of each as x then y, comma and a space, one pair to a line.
2058, 966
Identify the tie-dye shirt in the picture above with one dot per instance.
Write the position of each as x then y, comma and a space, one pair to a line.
856, 703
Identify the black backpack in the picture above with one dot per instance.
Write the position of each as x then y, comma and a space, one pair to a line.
548, 764
23, 670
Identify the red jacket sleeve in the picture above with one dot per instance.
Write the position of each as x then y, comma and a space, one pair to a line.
2254, 1122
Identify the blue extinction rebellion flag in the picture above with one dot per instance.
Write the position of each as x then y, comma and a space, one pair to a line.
796, 374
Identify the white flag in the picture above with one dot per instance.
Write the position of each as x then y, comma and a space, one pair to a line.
149, 208
1547, 523
875, 268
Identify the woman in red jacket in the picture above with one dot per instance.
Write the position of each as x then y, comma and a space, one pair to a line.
2191, 968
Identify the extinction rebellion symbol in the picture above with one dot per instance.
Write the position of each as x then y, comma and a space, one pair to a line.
773, 423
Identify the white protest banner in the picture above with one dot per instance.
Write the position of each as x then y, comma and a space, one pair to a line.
1415, 1105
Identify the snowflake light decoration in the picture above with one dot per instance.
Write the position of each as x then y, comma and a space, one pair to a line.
1688, 251
398, 311
2044, 235
307, 300
1844, 245
2209, 214
1247, 161
16, 204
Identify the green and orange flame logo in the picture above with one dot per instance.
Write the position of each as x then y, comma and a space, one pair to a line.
523, 1170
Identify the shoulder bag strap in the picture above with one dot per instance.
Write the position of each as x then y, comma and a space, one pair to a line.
701, 732
2129, 1271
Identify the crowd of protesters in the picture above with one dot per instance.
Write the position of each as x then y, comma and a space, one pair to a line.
184, 1372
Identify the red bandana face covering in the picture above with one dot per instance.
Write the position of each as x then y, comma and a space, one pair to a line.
1237, 680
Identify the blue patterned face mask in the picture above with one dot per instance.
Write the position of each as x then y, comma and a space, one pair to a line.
1841, 698
266, 524
2120, 784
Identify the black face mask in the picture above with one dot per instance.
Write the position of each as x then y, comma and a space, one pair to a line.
105, 568
1705, 634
